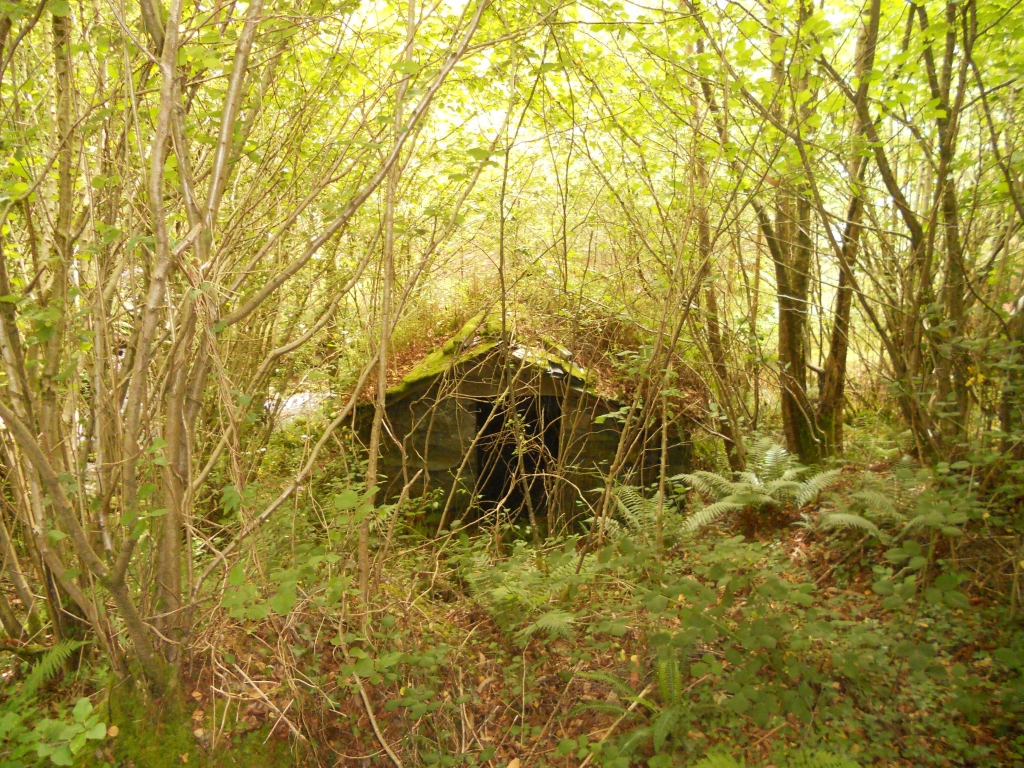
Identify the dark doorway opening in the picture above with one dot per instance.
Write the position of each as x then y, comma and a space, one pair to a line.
501, 478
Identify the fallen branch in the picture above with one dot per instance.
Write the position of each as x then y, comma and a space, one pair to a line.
369, 707
277, 711
26, 651
373, 722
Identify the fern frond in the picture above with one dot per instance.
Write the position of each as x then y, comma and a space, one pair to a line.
664, 725
48, 665
848, 520
720, 760
558, 624
757, 449
614, 682
751, 498
789, 489
670, 676
598, 706
707, 484
633, 739
776, 460
613, 528
709, 514
750, 478
876, 503
810, 489
630, 502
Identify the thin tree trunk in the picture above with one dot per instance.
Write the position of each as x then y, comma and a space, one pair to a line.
387, 270
833, 392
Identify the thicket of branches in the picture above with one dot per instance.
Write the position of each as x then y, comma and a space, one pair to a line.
207, 208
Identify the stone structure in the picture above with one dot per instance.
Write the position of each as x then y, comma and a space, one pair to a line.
451, 417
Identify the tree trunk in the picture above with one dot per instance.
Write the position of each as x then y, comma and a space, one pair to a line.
833, 392
792, 260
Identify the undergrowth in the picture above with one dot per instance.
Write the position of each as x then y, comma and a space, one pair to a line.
856, 637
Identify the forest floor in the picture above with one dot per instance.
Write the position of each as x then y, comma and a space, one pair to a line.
444, 676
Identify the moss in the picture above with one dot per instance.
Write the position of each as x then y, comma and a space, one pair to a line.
460, 349
452, 353
551, 345
153, 735
544, 359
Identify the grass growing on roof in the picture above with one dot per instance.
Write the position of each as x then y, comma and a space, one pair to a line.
460, 348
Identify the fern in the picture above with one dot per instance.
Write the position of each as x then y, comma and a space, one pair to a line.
524, 590
640, 516
663, 726
630, 502
557, 624
720, 760
877, 501
834, 520
863, 509
614, 682
749, 477
708, 484
776, 479
709, 514
598, 706
633, 739
774, 462
670, 676
48, 665
811, 489
784, 489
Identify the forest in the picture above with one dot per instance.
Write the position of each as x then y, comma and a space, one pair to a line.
512, 384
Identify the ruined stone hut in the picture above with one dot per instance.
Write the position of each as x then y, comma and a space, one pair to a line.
451, 417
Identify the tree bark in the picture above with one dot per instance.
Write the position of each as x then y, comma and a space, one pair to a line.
833, 392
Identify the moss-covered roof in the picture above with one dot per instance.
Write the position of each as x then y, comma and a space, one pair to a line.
477, 338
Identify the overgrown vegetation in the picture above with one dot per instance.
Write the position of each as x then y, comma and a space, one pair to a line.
772, 253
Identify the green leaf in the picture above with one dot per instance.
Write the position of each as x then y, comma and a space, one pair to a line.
258, 612
62, 756
76, 743
97, 732
82, 710
407, 67
739, 704
284, 600
60, 8
347, 499
54, 536
947, 581
364, 667
956, 599
883, 587
230, 499
236, 576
